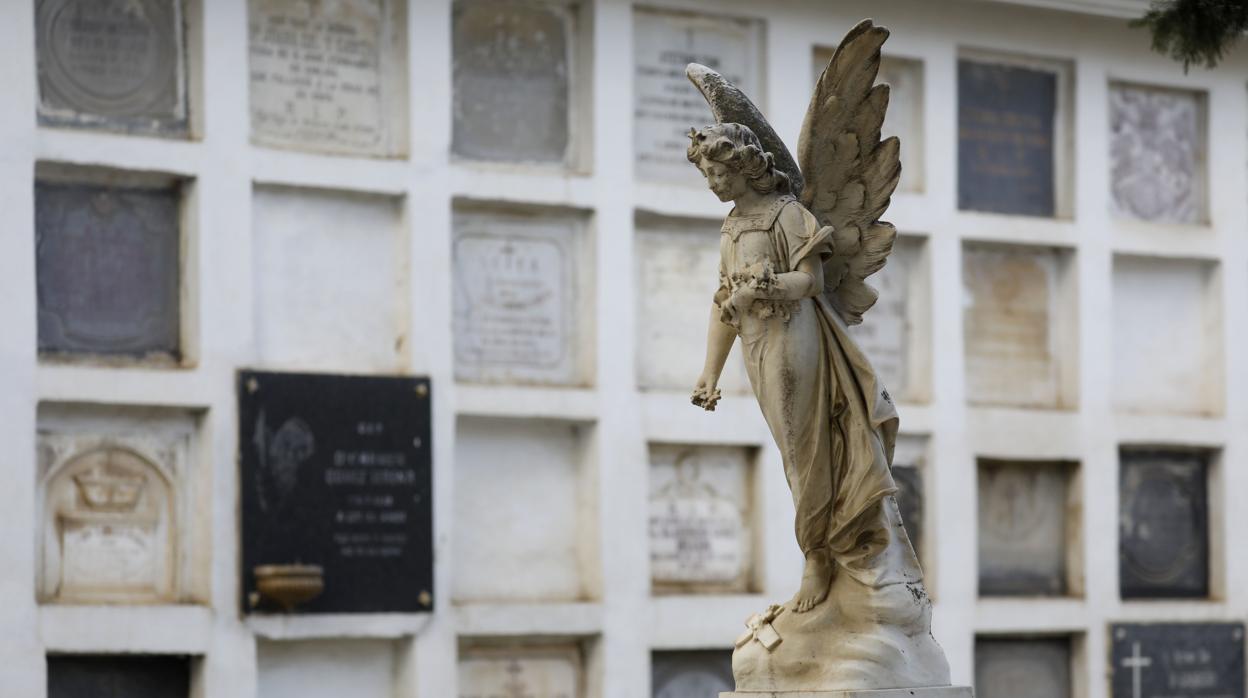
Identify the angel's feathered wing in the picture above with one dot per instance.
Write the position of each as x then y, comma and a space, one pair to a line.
847, 174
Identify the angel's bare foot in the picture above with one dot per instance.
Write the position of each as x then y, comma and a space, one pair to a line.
816, 579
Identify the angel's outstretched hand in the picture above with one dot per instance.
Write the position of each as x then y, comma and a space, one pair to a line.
705, 394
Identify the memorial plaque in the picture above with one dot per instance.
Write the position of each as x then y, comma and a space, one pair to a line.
336, 471
691, 674
117, 65
108, 265
1172, 660
329, 76
700, 529
1022, 668
511, 72
1006, 135
665, 104
533, 671
1157, 152
517, 299
1163, 521
886, 331
677, 274
118, 676
1009, 326
1022, 528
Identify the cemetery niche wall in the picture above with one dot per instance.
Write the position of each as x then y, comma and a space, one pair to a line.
335, 473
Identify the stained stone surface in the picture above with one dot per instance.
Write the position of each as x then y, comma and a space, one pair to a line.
691, 674
511, 74
1023, 529
700, 527
519, 303
1006, 134
117, 65
1163, 547
330, 668
1009, 325
887, 333
677, 274
665, 104
118, 676
1022, 668
909, 465
329, 76
108, 265
1161, 660
1157, 153
531, 671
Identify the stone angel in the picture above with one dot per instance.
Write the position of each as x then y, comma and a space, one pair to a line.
795, 253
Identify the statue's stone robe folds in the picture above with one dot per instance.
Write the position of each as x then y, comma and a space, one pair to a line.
836, 427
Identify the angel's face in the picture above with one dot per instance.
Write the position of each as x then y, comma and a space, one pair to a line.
724, 181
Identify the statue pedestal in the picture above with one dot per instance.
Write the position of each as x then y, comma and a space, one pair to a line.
932, 692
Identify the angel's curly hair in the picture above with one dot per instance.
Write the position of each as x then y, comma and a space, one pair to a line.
736, 146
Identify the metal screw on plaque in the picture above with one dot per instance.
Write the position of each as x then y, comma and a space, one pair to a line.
422, 390
252, 385
425, 598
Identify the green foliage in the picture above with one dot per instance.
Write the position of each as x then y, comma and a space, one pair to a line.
1195, 31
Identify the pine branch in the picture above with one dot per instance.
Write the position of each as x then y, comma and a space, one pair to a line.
1195, 31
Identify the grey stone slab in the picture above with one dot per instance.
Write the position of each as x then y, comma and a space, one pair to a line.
886, 333
1163, 548
1022, 528
1006, 133
909, 481
691, 674
512, 64
532, 671
112, 64
1022, 668
108, 269
118, 676
920, 692
1157, 151
1165, 660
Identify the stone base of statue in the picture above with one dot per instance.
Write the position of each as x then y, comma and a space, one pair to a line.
930, 692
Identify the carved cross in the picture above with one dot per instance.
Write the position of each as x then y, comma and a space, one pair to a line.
1136, 663
760, 629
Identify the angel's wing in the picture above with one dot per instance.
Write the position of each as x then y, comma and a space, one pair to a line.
850, 173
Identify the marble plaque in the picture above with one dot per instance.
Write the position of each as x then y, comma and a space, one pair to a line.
1022, 668
886, 334
1023, 528
677, 274
118, 676
108, 265
532, 671
1009, 326
904, 117
517, 299
691, 674
1157, 153
331, 280
1006, 135
336, 471
1163, 517
329, 668
1166, 660
329, 76
665, 104
511, 72
117, 65
700, 528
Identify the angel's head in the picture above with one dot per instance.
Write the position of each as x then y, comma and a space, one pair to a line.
733, 161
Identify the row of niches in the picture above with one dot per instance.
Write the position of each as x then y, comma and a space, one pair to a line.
332, 78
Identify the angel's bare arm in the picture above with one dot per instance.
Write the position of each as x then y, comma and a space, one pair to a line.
806, 281
719, 339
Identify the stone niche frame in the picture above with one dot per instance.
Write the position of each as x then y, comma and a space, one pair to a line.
1077, 653
572, 233
1063, 332
1063, 124
358, 665
158, 451
578, 157
584, 653
187, 356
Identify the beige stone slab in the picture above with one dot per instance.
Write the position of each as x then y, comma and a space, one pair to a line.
932, 692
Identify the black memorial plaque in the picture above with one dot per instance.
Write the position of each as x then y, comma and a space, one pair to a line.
336, 471
1177, 660
118, 676
909, 481
107, 265
1163, 545
1006, 119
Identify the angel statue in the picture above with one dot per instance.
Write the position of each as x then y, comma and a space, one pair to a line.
794, 254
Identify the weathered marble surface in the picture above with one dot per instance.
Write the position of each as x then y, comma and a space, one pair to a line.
532, 671
1157, 153
1024, 528
932, 692
1023, 668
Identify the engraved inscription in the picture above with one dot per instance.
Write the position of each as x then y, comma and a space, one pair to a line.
1157, 153
1006, 132
520, 672
1019, 668
112, 64
323, 75
1169, 660
1163, 524
1022, 528
511, 74
665, 104
108, 264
